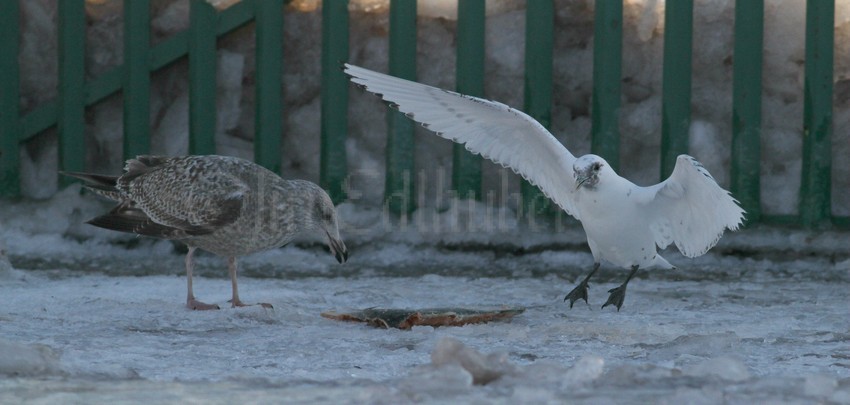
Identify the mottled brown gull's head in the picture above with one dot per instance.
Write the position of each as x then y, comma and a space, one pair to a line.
324, 219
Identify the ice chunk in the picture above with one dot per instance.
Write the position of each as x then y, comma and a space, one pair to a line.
483, 368
819, 385
726, 368
7, 271
704, 346
841, 397
18, 359
546, 373
432, 381
586, 369
630, 374
696, 396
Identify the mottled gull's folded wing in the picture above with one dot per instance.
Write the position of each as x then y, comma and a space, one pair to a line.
186, 194
127, 218
691, 210
497, 132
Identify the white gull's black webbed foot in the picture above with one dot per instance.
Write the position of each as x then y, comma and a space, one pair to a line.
618, 295
616, 298
580, 292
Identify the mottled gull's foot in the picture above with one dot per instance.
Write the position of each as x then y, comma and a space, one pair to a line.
238, 303
196, 305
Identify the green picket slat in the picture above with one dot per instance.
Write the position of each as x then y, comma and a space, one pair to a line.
136, 78
334, 99
746, 106
539, 42
607, 75
466, 167
815, 199
71, 111
398, 190
202, 78
10, 185
676, 82
269, 102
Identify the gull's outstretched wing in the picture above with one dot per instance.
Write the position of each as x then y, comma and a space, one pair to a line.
691, 210
493, 130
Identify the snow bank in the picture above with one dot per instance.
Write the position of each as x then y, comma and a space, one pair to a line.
466, 235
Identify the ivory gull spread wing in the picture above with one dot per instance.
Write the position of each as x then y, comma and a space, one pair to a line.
625, 223
225, 205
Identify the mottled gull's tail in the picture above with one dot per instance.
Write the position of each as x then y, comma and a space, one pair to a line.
98, 183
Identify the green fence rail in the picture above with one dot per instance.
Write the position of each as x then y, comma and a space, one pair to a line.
9, 100
815, 202
399, 190
607, 74
334, 164
198, 43
746, 107
70, 120
466, 167
676, 82
539, 46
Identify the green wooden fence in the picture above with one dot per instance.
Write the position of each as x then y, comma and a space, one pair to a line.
199, 44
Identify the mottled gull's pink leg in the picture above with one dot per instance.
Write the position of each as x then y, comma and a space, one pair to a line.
191, 302
231, 268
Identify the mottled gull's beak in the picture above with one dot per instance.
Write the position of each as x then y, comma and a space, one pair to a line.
338, 249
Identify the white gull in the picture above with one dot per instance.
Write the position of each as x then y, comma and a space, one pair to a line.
625, 224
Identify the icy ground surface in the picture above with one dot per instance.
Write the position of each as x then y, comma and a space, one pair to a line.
91, 316
722, 328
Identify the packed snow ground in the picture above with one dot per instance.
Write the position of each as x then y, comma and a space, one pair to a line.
91, 317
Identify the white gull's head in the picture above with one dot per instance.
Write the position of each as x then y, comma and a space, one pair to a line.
587, 170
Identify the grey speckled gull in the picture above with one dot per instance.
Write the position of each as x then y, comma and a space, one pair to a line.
221, 204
